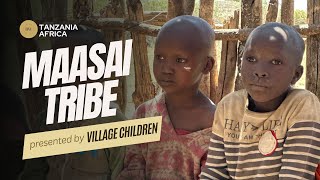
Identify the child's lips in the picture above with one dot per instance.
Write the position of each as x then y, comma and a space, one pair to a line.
166, 82
258, 87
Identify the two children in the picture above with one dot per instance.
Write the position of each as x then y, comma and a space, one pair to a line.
182, 55
268, 130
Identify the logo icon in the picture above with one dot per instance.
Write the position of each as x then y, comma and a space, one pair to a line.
28, 29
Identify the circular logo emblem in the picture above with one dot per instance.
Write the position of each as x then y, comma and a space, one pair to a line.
28, 29
268, 143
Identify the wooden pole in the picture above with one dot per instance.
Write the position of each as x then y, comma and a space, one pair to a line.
82, 8
144, 89
116, 9
251, 17
272, 11
209, 82
113, 9
287, 12
251, 13
206, 10
157, 18
223, 64
228, 61
313, 50
221, 34
180, 7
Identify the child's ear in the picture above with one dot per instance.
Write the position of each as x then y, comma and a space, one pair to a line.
297, 75
209, 65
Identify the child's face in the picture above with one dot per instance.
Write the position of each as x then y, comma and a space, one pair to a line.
179, 62
268, 68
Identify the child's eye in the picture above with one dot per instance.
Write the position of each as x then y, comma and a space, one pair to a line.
276, 62
251, 59
181, 60
159, 57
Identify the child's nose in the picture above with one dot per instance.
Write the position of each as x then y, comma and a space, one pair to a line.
167, 68
260, 72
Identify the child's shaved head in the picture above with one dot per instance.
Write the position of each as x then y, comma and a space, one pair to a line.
196, 29
183, 53
271, 64
280, 32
